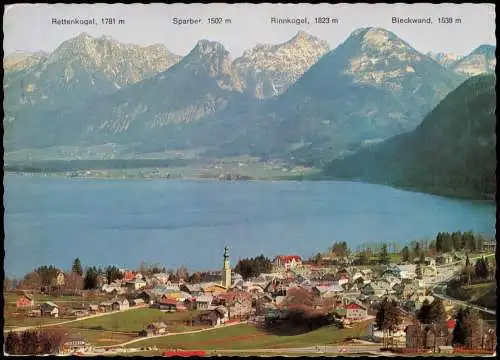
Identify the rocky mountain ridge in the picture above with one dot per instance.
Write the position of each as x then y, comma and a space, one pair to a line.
481, 60
268, 70
371, 87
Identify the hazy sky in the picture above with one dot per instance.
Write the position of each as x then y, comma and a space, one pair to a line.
28, 27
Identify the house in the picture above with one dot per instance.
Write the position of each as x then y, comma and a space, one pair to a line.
111, 289
444, 259
287, 261
48, 308
137, 302
171, 295
238, 303
136, 284
93, 309
430, 261
76, 343
167, 305
120, 304
213, 288
101, 280
128, 276
153, 329
380, 287
215, 316
429, 271
203, 302
407, 271
366, 273
80, 312
356, 311
35, 313
192, 289
343, 279
253, 288
25, 301
367, 290
60, 279
145, 296
105, 306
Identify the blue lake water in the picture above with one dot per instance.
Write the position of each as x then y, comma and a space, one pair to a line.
53, 220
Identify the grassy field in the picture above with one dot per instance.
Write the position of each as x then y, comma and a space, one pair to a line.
136, 320
246, 336
97, 337
483, 294
16, 318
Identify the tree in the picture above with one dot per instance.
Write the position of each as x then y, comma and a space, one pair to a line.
423, 314
74, 281
31, 281
459, 332
417, 250
437, 312
195, 278
384, 255
456, 239
340, 249
13, 344
418, 271
77, 267
47, 275
439, 243
405, 254
317, 259
253, 267
90, 280
421, 260
7, 284
467, 330
481, 268
112, 274
388, 316
363, 257
182, 273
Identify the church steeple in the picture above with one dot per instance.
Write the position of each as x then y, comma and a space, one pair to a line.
226, 269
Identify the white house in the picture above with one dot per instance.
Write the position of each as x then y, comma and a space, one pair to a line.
120, 304
136, 284
287, 261
407, 271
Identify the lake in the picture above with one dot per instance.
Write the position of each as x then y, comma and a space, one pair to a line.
50, 220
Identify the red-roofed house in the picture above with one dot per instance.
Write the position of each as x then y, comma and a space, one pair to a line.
239, 303
287, 261
355, 311
128, 276
343, 279
25, 301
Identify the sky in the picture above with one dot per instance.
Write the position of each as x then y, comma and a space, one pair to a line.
29, 27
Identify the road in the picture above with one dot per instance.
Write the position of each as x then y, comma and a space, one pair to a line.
170, 334
439, 290
329, 349
70, 321
357, 348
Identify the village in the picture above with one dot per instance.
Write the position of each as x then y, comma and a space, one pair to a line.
141, 310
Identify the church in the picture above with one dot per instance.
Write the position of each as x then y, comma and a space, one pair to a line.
226, 270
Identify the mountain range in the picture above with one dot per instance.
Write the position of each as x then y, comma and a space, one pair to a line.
298, 101
452, 152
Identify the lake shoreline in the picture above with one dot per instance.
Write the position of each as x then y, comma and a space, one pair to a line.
445, 193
